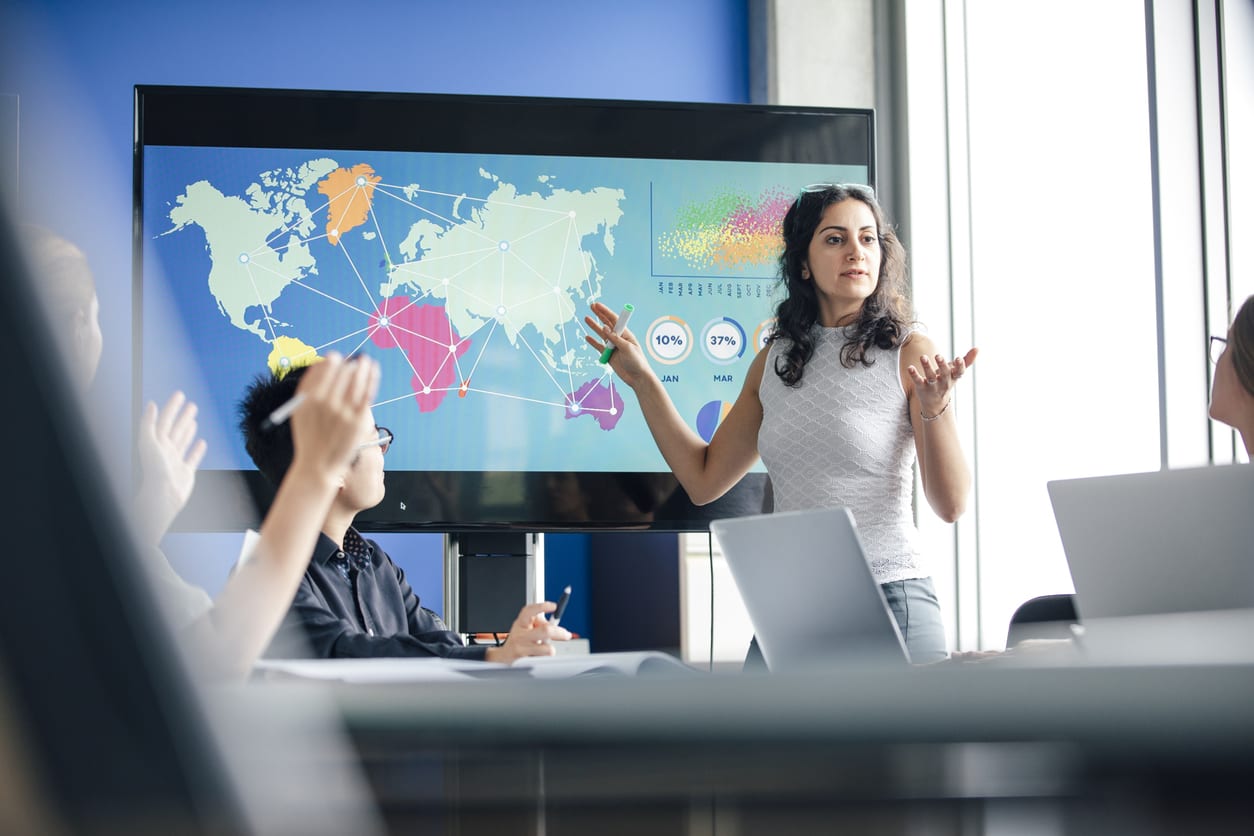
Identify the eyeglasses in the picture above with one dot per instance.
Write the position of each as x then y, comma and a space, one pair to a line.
1218, 345
384, 440
855, 188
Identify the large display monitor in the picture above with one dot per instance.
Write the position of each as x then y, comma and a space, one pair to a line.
460, 240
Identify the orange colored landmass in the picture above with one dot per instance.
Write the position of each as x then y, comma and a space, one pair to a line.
351, 191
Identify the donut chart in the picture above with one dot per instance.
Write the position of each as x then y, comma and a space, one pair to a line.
762, 333
669, 340
723, 340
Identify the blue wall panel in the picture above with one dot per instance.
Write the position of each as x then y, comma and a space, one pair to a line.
74, 64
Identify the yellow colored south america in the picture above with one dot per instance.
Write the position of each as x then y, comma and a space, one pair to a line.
286, 353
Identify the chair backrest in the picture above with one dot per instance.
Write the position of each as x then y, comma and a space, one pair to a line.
91, 671
1043, 617
116, 733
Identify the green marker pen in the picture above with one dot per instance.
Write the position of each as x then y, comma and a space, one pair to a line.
619, 326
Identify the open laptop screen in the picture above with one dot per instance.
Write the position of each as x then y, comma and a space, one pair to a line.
1166, 541
808, 590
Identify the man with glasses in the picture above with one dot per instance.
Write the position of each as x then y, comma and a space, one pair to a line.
353, 600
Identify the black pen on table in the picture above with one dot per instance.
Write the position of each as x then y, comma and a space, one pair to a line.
561, 607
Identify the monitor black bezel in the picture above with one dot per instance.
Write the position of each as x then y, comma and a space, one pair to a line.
455, 123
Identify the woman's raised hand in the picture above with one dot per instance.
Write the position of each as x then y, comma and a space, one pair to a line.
935, 377
628, 360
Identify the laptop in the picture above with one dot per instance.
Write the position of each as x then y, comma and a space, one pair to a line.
1161, 542
809, 591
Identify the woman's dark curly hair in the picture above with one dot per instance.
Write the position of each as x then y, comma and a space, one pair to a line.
886, 314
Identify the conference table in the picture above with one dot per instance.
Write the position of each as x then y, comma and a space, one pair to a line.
1055, 744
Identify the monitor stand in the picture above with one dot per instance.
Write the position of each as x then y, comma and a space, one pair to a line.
489, 576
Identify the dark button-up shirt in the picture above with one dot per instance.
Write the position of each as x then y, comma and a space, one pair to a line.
373, 612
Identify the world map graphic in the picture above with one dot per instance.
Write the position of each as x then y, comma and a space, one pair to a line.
509, 267
467, 277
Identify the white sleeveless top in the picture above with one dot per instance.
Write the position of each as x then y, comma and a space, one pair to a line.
842, 438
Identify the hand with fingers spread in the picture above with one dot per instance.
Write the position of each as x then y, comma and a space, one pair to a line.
169, 453
934, 380
627, 361
531, 635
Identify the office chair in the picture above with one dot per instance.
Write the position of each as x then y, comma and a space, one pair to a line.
116, 734
1043, 617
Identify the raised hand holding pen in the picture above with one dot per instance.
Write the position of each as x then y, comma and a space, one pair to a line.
325, 433
335, 395
627, 360
620, 325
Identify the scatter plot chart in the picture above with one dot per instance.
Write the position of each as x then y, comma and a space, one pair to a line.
734, 232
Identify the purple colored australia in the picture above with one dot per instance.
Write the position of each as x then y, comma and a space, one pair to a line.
598, 400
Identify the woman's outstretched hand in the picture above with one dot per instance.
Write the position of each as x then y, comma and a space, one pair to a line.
935, 378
